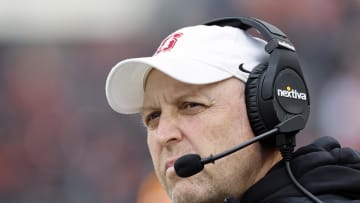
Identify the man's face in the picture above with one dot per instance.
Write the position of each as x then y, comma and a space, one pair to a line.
201, 119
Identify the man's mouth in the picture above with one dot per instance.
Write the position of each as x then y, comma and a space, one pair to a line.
170, 164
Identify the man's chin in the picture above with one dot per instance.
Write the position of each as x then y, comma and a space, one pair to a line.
185, 191
189, 192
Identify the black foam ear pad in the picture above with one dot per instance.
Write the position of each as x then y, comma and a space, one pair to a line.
253, 84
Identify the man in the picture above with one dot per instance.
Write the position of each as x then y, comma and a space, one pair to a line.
191, 95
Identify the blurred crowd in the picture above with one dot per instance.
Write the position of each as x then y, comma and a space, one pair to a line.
61, 143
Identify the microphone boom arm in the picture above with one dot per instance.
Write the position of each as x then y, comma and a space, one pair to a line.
213, 158
290, 125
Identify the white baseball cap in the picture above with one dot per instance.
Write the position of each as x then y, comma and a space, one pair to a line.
196, 55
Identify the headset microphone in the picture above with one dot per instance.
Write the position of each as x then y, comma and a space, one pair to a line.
192, 164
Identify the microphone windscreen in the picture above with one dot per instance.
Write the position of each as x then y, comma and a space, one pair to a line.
188, 165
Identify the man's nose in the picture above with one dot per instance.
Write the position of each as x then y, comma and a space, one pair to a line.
168, 130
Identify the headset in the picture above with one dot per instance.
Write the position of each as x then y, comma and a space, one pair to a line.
275, 91
276, 98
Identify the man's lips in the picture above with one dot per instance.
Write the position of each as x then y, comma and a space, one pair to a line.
170, 163
169, 166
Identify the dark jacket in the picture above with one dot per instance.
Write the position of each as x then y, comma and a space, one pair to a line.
325, 169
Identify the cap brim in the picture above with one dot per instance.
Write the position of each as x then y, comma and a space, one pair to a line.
125, 82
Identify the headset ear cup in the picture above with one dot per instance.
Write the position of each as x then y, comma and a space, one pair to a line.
252, 91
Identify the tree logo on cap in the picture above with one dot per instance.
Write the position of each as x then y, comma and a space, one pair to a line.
168, 43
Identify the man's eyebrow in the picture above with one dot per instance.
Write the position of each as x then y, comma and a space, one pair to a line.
181, 96
144, 109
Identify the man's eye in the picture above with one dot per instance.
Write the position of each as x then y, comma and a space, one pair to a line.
152, 117
189, 105
192, 108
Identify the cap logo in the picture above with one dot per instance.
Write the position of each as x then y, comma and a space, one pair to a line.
168, 43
